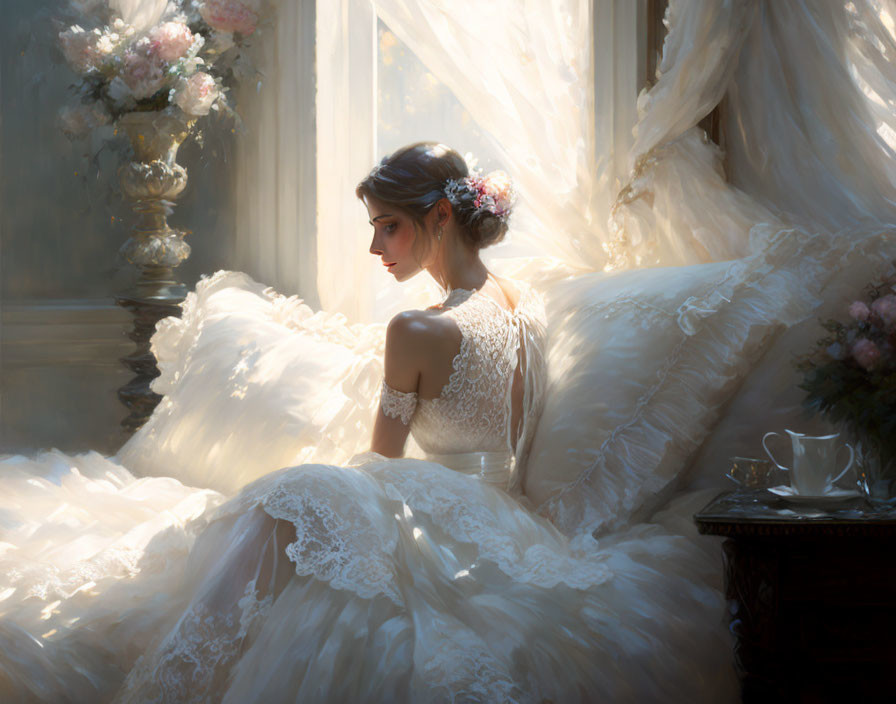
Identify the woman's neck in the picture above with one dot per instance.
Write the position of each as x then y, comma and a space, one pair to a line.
458, 266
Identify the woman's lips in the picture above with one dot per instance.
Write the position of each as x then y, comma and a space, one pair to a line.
389, 264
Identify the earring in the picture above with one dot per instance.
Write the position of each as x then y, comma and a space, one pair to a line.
439, 235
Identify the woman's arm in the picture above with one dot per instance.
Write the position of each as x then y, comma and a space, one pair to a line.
407, 338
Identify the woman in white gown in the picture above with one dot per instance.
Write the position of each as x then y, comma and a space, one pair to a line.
395, 579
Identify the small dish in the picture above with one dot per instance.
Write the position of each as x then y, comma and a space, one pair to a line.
836, 494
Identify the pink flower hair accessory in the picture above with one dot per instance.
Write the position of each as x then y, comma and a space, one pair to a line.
493, 193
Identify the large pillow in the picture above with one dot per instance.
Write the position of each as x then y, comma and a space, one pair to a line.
254, 381
770, 397
641, 364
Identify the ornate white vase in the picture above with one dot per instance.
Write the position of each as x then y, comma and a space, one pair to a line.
152, 182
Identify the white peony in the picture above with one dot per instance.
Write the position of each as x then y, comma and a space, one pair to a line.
79, 48
196, 95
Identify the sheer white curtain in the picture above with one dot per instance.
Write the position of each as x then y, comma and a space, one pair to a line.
525, 73
677, 207
810, 88
810, 106
346, 151
809, 110
274, 172
521, 69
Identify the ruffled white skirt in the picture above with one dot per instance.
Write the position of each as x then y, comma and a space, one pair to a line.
385, 581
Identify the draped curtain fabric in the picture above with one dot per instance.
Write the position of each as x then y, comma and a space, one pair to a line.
677, 208
810, 88
810, 124
805, 138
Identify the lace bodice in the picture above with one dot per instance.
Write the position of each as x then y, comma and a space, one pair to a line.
473, 411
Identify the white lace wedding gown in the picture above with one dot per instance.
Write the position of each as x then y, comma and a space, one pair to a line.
383, 580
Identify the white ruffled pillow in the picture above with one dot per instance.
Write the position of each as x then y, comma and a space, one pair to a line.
254, 381
640, 365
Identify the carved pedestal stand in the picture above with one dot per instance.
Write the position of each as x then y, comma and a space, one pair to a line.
152, 182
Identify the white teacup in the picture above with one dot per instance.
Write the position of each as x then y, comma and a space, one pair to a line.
814, 462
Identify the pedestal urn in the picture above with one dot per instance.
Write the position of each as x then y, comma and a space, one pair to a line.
151, 182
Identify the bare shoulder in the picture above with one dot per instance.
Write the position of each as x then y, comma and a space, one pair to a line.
415, 333
413, 325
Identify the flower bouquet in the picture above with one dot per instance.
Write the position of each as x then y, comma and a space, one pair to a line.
180, 56
850, 377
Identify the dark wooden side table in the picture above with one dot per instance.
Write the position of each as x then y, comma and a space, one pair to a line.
811, 594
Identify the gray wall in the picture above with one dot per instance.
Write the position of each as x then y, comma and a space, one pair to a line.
62, 221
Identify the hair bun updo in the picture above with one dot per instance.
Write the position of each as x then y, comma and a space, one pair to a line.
416, 177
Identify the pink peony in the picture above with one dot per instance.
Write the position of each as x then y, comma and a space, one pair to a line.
859, 311
196, 94
170, 41
143, 72
230, 15
885, 308
866, 353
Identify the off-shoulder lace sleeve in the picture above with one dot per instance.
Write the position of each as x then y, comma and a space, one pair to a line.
398, 404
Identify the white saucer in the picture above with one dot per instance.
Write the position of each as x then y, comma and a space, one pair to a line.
836, 494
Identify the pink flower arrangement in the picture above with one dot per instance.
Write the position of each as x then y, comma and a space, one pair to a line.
495, 190
183, 59
143, 71
884, 308
196, 94
865, 353
171, 41
230, 15
851, 375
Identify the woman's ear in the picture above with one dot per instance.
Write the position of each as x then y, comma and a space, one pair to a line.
443, 212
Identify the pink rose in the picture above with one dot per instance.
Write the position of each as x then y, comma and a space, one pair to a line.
866, 353
859, 311
885, 308
170, 41
196, 94
143, 72
230, 15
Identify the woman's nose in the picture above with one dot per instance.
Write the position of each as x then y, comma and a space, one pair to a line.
374, 249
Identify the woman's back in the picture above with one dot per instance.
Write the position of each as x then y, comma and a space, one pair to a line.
482, 399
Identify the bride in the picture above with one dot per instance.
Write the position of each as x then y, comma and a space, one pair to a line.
393, 579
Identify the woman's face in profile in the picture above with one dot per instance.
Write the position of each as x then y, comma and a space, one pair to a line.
394, 235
